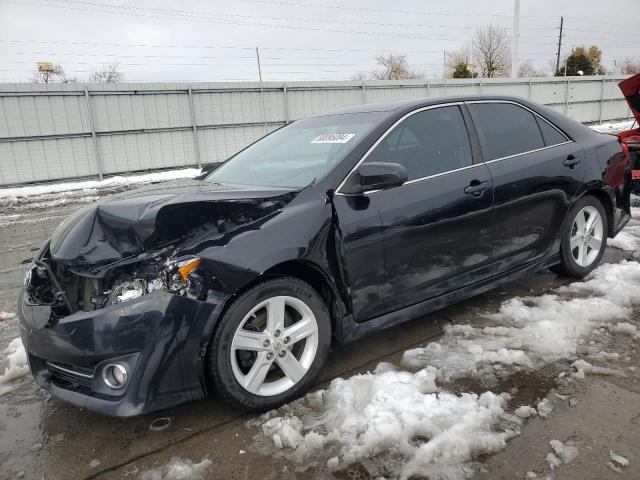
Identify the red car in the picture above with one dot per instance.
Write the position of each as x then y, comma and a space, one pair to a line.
630, 139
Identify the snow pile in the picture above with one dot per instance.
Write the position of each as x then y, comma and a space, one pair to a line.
17, 366
532, 331
405, 415
562, 453
615, 127
179, 469
629, 238
618, 462
90, 187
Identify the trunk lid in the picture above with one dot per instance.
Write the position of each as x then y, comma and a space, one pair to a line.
631, 91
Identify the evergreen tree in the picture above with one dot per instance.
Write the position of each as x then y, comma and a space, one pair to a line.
461, 71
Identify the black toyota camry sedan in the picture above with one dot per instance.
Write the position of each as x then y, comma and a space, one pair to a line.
238, 283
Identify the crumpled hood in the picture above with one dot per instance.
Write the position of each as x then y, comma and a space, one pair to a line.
631, 91
138, 220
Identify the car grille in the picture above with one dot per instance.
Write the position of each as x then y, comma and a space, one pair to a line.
70, 374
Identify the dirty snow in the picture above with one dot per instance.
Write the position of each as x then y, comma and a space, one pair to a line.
532, 331
179, 469
16, 362
89, 187
629, 238
403, 421
614, 127
401, 413
619, 459
562, 453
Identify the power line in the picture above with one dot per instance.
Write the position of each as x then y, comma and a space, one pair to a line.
243, 23
381, 10
280, 19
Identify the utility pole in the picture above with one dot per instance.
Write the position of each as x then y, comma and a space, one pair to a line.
264, 115
559, 44
515, 38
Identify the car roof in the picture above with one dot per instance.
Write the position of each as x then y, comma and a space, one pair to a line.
398, 108
403, 105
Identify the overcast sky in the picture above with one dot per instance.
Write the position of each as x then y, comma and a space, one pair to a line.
193, 40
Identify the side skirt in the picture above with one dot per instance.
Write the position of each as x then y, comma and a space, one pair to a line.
351, 330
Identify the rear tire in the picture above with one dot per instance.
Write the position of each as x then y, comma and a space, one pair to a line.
584, 238
270, 345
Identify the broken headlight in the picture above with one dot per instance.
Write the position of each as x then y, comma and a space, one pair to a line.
177, 273
174, 278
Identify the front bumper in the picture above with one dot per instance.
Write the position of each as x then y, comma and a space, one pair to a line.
160, 337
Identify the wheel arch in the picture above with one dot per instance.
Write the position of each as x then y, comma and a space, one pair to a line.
607, 203
313, 275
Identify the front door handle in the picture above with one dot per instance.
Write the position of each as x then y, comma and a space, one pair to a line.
477, 188
571, 161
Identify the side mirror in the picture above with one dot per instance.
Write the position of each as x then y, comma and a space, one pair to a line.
377, 176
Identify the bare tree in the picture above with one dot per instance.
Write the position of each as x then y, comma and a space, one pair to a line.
107, 73
56, 75
491, 51
629, 67
526, 69
457, 60
394, 67
360, 76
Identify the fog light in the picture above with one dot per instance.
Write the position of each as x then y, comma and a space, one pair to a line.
115, 375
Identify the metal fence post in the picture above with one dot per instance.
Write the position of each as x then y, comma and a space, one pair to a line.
428, 89
196, 143
480, 86
601, 101
530, 88
612, 116
364, 92
285, 101
566, 97
93, 132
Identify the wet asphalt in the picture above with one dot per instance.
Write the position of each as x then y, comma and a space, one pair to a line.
42, 437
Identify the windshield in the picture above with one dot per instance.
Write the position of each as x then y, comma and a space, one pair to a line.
296, 155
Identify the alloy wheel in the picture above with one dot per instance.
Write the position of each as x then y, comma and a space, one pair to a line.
587, 235
274, 346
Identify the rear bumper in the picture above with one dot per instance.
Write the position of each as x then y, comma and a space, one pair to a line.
158, 337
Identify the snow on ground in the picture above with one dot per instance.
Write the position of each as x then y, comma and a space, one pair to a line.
429, 431
16, 367
629, 238
613, 127
562, 453
179, 469
531, 331
402, 421
87, 188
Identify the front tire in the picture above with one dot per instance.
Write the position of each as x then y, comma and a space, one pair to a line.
584, 238
270, 345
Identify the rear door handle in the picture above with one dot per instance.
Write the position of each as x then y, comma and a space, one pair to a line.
572, 161
477, 188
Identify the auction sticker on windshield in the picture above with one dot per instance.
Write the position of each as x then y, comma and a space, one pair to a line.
333, 138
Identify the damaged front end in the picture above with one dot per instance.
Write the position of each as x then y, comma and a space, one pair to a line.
133, 244
125, 288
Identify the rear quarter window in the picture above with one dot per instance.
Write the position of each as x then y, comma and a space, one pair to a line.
550, 133
506, 129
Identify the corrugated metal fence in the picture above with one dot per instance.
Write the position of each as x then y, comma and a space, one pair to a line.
50, 132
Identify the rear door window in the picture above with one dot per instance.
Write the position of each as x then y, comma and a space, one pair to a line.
427, 143
506, 129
